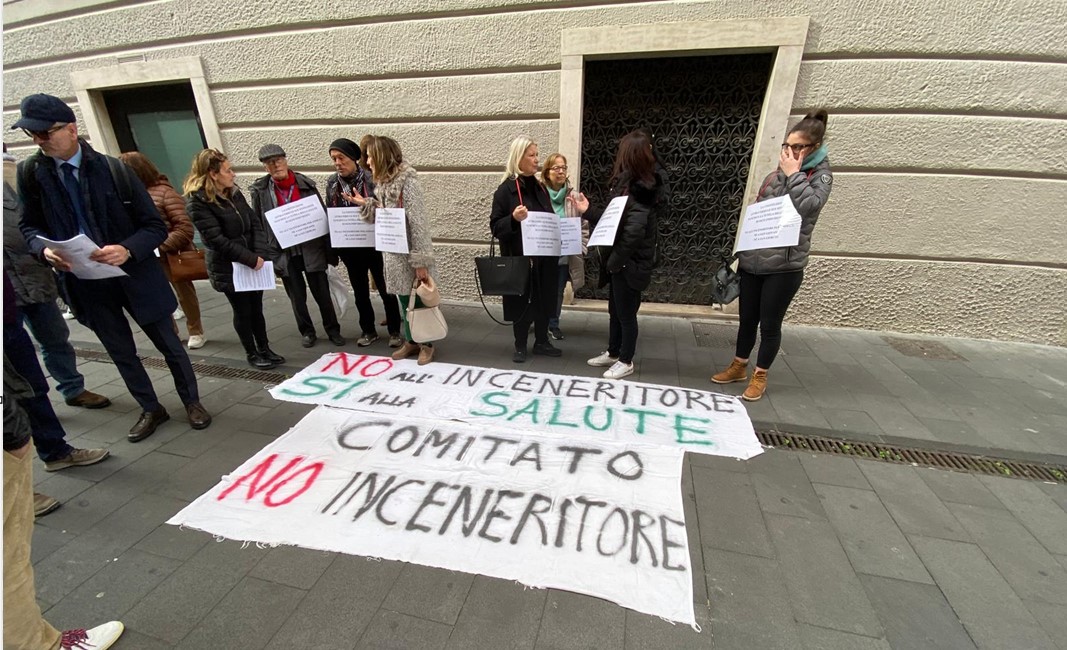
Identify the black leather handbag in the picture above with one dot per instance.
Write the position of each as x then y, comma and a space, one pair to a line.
500, 275
726, 285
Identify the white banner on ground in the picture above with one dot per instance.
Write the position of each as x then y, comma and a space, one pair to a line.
769, 224
582, 408
297, 222
587, 516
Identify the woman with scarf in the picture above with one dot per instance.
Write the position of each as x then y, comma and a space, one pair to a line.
571, 267
519, 194
397, 186
232, 233
627, 264
770, 277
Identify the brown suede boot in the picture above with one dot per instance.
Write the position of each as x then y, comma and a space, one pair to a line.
737, 371
425, 354
756, 387
409, 349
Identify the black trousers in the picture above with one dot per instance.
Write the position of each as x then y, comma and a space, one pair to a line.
764, 301
542, 302
297, 290
623, 303
359, 261
105, 313
248, 319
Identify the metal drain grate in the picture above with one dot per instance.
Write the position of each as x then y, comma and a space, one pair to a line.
971, 463
923, 349
201, 368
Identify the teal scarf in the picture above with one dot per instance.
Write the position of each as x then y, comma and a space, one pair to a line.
814, 159
558, 197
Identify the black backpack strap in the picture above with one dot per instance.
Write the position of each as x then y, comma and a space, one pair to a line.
120, 173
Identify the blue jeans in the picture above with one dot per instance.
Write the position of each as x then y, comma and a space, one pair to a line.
48, 434
564, 275
46, 324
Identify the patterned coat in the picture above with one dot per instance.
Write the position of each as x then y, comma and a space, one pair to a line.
403, 190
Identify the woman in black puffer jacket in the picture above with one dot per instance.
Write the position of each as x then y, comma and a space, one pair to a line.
627, 264
232, 233
770, 277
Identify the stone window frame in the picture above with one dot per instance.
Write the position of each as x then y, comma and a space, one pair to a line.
89, 86
783, 36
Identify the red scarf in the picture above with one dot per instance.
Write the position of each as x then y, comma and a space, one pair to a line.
286, 191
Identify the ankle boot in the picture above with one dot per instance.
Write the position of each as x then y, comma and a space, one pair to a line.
737, 371
271, 355
756, 386
260, 362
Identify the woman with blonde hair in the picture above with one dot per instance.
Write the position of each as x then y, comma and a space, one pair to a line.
520, 193
232, 233
396, 185
171, 207
571, 267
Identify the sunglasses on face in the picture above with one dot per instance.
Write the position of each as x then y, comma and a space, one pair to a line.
43, 135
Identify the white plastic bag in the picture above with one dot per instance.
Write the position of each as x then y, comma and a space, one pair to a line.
338, 292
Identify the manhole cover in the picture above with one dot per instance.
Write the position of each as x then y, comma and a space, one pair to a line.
709, 335
923, 349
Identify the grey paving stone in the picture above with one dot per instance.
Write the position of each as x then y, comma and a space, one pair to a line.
644, 631
200, 474
173, 542
718, 463
823, 589
1025, 564
1034, 508
189, 594
340, 606
833, 470
994, 616
296, 567
820, 638
1057, 492
915, 616
899, 421
134, 640
869, 535
394, 631
246, 618
782, 485
60, 485
112, 591
430, 593
957, 487
796, 407
729, 513
498, 614
576, 621
47, 541
913, 505
692, 530
846, 421
740, 585
1052, 618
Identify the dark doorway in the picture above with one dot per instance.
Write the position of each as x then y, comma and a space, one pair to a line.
704, 112
159, 121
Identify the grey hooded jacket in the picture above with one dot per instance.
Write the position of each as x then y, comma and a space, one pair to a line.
34, 282
809, 191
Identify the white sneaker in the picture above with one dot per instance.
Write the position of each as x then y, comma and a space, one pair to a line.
602, 360
179, 314
100, 637
618, 370
197, 341
68, 314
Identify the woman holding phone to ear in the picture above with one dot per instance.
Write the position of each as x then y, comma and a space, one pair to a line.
770, 277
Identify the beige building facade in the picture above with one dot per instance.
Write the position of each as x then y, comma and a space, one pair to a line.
947, 135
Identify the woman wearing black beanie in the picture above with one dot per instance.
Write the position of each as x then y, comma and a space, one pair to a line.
350, 187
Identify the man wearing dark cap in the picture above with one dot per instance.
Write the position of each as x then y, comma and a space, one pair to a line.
69, 189
347, 188
280, 186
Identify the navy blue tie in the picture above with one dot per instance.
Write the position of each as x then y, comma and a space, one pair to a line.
75, 193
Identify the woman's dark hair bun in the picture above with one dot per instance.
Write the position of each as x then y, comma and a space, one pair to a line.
818, 114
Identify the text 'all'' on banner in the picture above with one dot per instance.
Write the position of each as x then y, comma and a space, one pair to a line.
579, 408
593, 517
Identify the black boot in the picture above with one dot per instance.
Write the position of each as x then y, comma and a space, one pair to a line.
257, 360
271, 355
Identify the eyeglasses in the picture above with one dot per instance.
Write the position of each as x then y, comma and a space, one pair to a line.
43, 135
797, 148
558, 168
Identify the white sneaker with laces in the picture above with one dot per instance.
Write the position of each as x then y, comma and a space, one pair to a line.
618, 370
197, 341
602, 360
100, 637
179, 314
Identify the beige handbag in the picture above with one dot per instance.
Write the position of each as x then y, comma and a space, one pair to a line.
428, 293
427, 324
